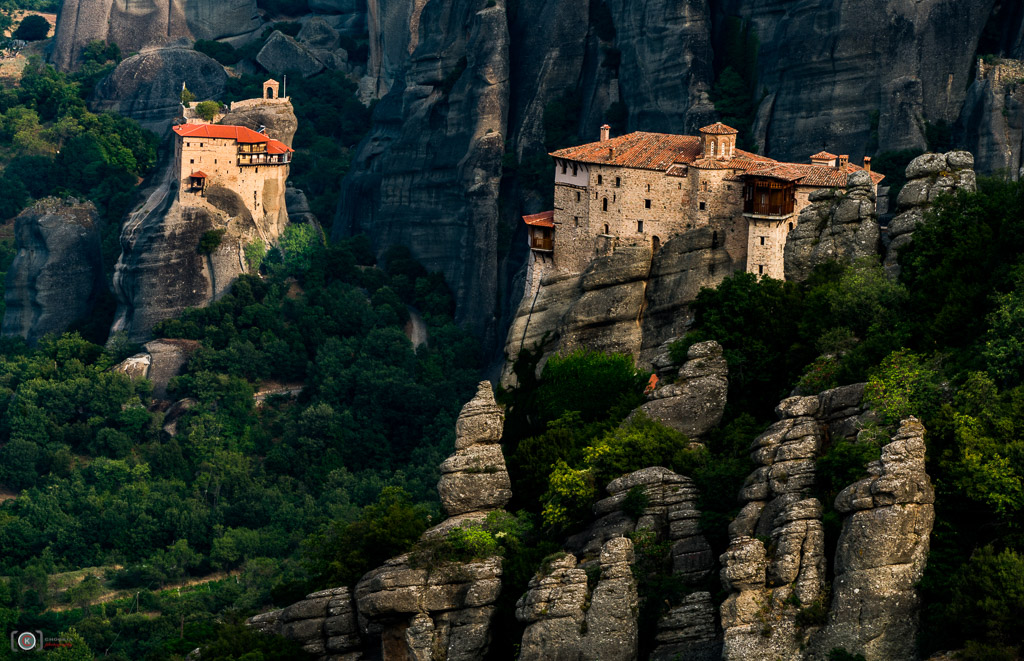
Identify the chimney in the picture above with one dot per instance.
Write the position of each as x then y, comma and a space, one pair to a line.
843, 160
867, 163
606, 132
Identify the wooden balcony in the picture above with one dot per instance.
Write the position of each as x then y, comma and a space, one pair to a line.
542, 243
264, 159
768, 198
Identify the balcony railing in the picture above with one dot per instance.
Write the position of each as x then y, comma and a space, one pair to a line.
545, 243
264, 159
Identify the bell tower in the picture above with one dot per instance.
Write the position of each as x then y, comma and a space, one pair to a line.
718, 141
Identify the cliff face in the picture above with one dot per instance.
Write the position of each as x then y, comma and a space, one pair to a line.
427, 175
142, 23
57, 272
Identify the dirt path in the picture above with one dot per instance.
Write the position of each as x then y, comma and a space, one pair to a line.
114, 595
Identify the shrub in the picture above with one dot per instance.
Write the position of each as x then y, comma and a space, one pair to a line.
220, 51
187, 97
903, 385
590, 382
32, 28
254, 252
635, 502
208, 109
210, 241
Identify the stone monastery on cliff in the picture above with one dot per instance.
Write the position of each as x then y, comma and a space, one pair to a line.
647, 187
248, 162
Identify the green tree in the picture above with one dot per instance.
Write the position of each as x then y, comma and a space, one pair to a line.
32, 28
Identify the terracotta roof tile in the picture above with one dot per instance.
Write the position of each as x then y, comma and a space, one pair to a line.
718, 128
222, 131
277, 147
645, 151
804, 174
823, 156
198, 175
543, 219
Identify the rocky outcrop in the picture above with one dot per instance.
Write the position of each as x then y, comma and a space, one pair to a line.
689, 631
324, 623
928, 176
474, 479
566, 620
57, 272
278, 118
283, 54
147, 86
298, 206
161, 361
695, 401
991, 124
161, 272
137, 25
882, 553
436, 190
837, 226
626, 302
410, 608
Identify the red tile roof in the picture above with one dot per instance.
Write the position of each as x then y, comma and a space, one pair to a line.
198, 175
277, 147
804, 174
824, 156
543, 219
645, 151
222, 131
718, 128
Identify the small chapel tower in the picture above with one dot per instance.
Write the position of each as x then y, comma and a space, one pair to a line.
718, 141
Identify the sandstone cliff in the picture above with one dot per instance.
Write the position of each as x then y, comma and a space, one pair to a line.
628, 302
57, 272
991, 125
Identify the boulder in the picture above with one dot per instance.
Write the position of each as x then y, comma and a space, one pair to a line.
56, 276
161, 361
695, 402
281, 54
147, 86
316, 33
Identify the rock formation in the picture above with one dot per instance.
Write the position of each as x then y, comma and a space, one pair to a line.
567, 620
882, 552
991, 124
137, 25
147, 86
436, 190
628, 302
838, 225
160, 271
694, 403
283, 54
408, 611
160, 361
928, 176
57, 272
324, 623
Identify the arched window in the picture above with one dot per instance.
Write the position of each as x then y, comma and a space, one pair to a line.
270, 92
604, 204
712, 148
791, 227
606, 229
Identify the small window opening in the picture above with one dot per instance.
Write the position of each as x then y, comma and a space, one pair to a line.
564, 168
604, 204
702, 206
576, 221
606, 229
192, 160
760, 269
791, 226
639, 226
762, 240
647, 204
575, 169
600, 179
618, 181
648, 188
577, 196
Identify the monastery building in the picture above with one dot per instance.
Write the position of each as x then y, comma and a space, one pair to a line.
648, 187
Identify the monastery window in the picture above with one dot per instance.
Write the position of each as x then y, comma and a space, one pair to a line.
564, 168
577, 196
704, 186
192, 161
648, 188
640, 226
618, 181
614, 197
712, 149
647, 203
575, 169
200, 144
760, 269
600, 179
791, 227
702, 206
680, 185
606, 228
604, 204
762, 240
188, 144
728, 187
576, 221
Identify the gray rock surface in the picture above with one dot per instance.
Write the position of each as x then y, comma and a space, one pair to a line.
928, 176
882, 552
147, 86
278, 119
324, 623
147, 23
436, 190
689, 631
474, 479
838, 226
991, 124
57, 272
694, 403
626, 302
567, 620
160, 361
282, 54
